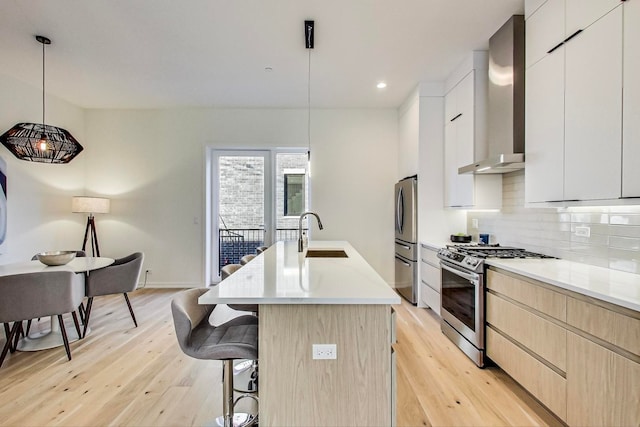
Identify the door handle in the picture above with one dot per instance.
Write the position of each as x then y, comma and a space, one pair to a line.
572, 36
400, 211
406, 264
455, 117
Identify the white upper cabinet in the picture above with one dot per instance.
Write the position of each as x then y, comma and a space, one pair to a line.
458, 140
532, 6
582, 13
545, 30
465, 137
574, 101
544, 130
593, 111
631, 96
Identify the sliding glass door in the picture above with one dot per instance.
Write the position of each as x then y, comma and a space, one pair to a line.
256, 199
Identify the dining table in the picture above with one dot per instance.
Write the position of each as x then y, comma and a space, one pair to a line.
50, 336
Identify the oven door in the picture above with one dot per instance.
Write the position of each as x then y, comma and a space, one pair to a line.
463, 302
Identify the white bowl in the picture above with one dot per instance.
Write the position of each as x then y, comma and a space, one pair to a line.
56, 257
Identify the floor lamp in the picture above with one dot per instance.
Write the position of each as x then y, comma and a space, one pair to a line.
90, 205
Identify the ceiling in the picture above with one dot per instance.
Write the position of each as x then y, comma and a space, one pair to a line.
214, 53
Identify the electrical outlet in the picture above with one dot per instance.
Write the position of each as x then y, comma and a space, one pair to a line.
583, 231
325, 351
474, 223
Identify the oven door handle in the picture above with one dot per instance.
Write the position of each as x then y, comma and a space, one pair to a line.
472, 277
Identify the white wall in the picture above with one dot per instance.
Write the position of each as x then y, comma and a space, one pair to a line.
151, 162
408, 136
39, 195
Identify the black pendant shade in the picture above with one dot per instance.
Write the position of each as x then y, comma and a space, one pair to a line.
39, 142
27, 141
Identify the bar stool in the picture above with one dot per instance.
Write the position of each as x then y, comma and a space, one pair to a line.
235, 339
246, 371
245, 259
261, 249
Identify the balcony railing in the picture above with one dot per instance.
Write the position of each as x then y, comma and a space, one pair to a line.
234, 243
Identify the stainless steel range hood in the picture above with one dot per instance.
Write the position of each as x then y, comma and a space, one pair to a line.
506, 101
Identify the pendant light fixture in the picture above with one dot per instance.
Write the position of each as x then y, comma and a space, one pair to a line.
308, 40
39, 142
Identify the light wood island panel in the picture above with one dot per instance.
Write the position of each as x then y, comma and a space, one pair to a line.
353, 390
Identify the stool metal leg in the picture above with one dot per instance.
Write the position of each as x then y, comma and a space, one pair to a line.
229, 418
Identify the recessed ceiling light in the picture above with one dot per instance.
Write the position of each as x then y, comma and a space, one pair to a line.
381, 85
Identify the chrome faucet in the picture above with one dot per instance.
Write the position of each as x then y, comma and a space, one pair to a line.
300, 248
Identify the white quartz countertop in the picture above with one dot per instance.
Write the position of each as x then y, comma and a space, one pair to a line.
616, 287
281, 275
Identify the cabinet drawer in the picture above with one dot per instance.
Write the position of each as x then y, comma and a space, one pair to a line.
430, 275
544, 300
616, 328
430, 297
429, 255
603, 388
546, 339
541, 381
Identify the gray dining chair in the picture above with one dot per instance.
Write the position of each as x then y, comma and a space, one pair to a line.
32, 295
120, 277
235, 339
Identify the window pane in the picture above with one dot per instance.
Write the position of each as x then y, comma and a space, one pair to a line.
292, 195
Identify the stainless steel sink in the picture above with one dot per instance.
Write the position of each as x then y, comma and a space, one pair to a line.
326, 253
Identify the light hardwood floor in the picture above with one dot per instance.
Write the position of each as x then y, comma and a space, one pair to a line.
121, 375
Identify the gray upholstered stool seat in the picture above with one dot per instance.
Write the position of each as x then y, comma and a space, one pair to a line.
235, 339
261, 249
245, 259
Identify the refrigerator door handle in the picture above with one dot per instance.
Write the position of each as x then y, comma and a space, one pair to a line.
403, 262
400, 210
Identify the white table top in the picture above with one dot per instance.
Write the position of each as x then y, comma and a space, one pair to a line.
77, 265
281, 275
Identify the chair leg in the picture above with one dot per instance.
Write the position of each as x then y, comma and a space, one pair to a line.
76, 324
64, 336
126, 297
7, 345
227, 393
26, 333
87, 314
7, 330
16, 337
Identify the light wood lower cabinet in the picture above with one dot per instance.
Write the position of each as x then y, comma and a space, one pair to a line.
540, 336
355, 389
546, 385
603, 388
580, 357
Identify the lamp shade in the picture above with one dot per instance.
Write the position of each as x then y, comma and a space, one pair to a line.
81, 204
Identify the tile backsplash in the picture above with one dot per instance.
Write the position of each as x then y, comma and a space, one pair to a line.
614, 231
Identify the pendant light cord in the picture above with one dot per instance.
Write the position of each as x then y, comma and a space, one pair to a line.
43, 89
309, 104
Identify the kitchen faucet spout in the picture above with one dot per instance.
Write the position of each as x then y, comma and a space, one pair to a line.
300, 248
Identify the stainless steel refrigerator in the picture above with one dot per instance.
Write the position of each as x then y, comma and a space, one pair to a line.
406, 204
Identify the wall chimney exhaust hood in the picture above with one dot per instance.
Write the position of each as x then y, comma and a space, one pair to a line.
506, 101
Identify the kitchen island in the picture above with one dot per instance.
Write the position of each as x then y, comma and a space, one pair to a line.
325, 299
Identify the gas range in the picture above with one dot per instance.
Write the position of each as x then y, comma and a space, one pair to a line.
463, 293
471, 257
